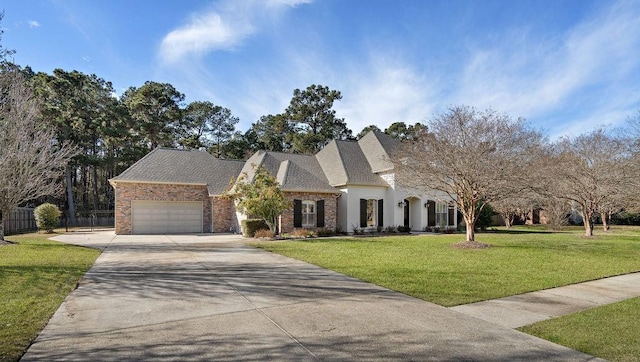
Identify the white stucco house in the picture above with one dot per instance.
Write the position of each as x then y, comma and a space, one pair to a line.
347, 185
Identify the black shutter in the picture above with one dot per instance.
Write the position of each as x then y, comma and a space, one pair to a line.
320, 213
432, 213
451, 213
297, 213
363, 213
380, 212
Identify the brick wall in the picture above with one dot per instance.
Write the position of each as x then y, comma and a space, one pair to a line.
330, 209
127, 192
224, 216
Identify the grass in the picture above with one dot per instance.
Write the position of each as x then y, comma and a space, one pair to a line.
428, 267
611, 332
36, 275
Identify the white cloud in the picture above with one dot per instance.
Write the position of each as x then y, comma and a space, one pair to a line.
538, 77
222, 28
384, 91
33, 24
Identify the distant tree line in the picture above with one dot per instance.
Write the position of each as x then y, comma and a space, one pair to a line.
71, 129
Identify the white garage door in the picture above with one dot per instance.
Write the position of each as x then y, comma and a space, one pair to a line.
166, 217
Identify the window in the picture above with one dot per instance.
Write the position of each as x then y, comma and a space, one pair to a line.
308, 213
442, 211
371, 213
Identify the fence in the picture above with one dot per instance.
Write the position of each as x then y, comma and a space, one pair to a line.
20, 220
91, 219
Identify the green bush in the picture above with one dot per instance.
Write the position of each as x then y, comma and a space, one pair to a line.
250, 226
47, 216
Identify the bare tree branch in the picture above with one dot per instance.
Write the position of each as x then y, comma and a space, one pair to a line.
31, 161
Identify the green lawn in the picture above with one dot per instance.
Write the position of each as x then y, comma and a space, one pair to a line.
428, 267
36, 275
611, 332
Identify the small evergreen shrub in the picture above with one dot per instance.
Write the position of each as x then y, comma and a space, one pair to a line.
47, 216
326, 232
391, 229
404, 229
250, 226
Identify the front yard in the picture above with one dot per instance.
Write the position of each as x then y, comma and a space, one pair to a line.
36, 275
428, 267
520, 260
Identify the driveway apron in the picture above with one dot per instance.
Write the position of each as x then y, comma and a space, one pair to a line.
206, 297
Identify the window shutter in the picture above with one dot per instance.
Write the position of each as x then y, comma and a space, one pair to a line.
363, 213
432, 213
320, 213
451, 214
380, 212
297, 213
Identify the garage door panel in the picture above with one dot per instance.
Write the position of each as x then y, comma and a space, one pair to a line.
166, 217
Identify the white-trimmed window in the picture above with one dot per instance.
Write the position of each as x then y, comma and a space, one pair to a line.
442, 214
372, 213
308, 213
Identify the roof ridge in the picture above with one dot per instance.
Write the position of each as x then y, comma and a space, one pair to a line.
283, 170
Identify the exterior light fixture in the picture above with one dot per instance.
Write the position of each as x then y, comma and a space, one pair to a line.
401, 204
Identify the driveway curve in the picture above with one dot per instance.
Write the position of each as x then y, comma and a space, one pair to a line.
211, 297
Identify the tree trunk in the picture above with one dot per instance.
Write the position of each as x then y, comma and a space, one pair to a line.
70, 202
1, 226
508, 220
605, 221
588, 225
471, 229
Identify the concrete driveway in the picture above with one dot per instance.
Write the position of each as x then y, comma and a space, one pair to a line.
210, 297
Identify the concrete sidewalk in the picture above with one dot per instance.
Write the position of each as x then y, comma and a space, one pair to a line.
520, 310
206, 297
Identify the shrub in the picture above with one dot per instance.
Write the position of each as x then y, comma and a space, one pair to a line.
404, 229
391, 229
326, 232
302, 233
250, 226
47, 216
264, 233
357, 230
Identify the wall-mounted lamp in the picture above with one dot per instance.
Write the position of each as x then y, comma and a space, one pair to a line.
426, 205
401, 204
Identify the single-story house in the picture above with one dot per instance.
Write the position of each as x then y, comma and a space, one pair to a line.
346, 185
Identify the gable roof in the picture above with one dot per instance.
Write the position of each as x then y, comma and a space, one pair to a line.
344, 163
167, 165
377, 148
294, 172
340, 163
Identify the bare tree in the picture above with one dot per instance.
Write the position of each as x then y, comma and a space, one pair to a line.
31, 161
592, 170
474, 157
515, 205
557, 212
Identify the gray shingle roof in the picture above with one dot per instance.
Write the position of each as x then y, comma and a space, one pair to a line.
339, 163
344, 163
294, 172
377, 147
165, 165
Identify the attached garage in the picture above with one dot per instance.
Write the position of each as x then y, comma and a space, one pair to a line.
166, 217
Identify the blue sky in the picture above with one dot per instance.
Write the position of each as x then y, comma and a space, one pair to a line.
565, 66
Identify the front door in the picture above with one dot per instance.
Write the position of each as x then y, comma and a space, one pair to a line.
406, 213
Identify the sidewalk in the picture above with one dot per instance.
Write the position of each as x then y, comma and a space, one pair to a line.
524, 309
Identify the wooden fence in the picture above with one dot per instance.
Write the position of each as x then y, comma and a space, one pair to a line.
20, 220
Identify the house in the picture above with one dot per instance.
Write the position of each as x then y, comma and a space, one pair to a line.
347, 185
